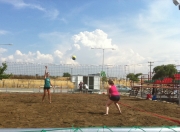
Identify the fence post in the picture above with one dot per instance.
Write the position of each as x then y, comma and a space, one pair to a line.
141, 86
61, 88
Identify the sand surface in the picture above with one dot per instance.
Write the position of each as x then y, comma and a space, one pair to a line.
26, 110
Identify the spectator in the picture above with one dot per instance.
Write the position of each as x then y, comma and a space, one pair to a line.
80, 87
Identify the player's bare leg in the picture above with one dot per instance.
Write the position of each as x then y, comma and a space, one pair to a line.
109, 102
118, 107
49, 95
44, 95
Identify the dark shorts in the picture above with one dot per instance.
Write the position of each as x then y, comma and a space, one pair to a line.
115, 98
46, 87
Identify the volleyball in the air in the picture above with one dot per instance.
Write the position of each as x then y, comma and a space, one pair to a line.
73, 57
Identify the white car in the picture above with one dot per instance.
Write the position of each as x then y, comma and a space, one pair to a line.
122, 88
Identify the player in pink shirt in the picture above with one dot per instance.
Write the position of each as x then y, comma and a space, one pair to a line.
113, 95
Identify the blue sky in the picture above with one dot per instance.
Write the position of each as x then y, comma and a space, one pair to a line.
47, 31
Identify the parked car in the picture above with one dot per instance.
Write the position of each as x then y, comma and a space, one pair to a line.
122, 88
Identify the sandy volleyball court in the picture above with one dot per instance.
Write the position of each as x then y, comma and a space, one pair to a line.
25, 110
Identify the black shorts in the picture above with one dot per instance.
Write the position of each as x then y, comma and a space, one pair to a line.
46, 87
115, 98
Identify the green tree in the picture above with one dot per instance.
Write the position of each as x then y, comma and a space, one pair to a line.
133, 77
163, 71
104, 79
3, 68
66, 74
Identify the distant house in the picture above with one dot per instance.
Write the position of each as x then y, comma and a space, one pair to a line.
92, 80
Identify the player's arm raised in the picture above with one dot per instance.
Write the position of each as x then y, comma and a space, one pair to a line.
45, 73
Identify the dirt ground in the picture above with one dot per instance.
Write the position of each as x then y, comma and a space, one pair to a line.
25, 110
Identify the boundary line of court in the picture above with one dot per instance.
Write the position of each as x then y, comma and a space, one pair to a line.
154, 114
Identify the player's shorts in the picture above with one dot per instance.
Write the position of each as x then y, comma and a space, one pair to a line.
46, 87
115, 98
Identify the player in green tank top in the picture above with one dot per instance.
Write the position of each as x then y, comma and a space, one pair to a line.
47, 85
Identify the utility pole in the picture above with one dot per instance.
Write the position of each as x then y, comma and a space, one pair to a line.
150, 67
103, 55
103, 63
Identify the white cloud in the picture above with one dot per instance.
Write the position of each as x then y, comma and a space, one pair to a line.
77, 46
131, 51
37, 57
11, 58
2, 50
152, 32
58, 54
149, 33
19, 4
82, 49
3, 32
46, 58
94, 39
18, 53
99, 39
